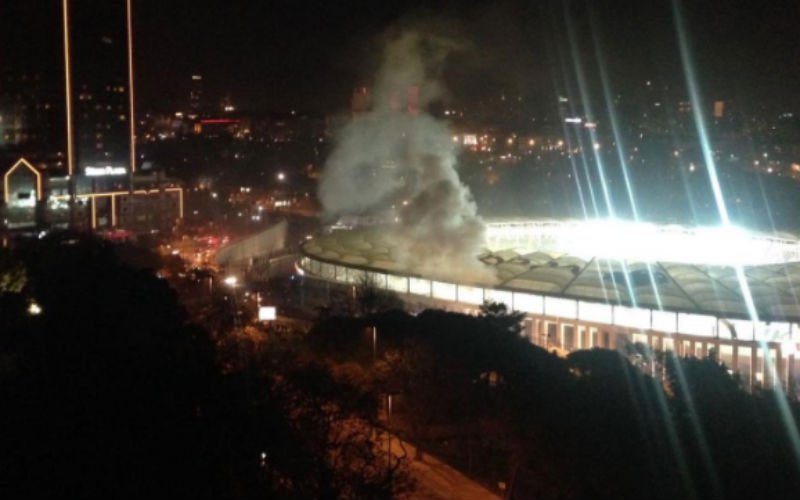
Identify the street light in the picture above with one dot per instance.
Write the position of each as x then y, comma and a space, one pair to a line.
230, 281
34, 309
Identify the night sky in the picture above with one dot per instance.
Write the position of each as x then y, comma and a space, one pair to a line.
309, 55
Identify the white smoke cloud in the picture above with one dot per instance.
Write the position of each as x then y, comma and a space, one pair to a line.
387, 155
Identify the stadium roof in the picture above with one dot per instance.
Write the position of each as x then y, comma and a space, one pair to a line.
674, 286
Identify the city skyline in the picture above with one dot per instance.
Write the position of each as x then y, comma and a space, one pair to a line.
310, 57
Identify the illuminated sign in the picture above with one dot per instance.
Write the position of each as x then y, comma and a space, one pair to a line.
108, 170
267, 313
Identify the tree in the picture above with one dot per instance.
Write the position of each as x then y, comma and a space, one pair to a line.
112, 392
501, 319
371, 299
110, 381
12, 273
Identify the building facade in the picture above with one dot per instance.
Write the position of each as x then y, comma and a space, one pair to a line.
565, 310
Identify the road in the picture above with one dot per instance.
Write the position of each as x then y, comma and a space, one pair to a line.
435, 480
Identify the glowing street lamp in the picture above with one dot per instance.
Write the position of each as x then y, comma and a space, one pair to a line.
34, 309
231, 281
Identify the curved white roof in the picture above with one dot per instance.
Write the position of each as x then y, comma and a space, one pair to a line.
674, 286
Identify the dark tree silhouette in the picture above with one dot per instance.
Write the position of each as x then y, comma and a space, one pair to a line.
371, 299
111, 392
110, 381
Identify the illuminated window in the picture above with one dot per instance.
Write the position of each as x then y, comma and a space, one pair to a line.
354, 275
419, 286
699, 352
552, 333
569, 337
327, 271
664, 321
595, 312
697, 324
525, 302
377, 279
470, 294
444, 291
562, 308
725, 355
632, 317
744, 363
397, 283
772, 331
499, 296
736, 329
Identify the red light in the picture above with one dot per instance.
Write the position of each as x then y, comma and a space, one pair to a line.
218, 121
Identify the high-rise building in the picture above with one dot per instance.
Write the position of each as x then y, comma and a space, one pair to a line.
100, 97
31, 120
97, 185
196, 97
31, 86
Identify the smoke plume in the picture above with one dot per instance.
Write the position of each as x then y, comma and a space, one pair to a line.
397, 159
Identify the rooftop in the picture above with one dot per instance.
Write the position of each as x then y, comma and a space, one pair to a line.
673, 286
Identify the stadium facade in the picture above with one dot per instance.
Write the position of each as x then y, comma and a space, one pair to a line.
587, 284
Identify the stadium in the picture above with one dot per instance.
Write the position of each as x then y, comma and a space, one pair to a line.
663, 288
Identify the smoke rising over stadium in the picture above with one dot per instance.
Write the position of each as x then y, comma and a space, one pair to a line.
400, 160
